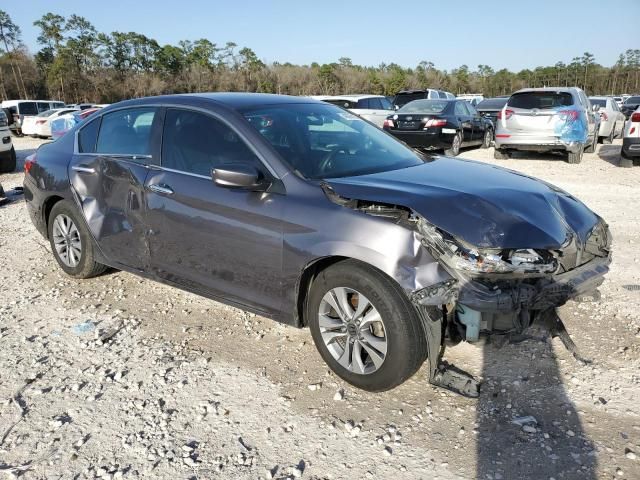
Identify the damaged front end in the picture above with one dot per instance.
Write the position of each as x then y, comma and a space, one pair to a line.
493, 291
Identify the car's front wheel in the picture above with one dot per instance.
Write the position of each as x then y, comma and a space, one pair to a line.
71, 242
364, 326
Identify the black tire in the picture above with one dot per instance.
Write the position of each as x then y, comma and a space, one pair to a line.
487, 139
454, 151
574, 157
8, 161
87, 267
406, 342
499, 154
592, 146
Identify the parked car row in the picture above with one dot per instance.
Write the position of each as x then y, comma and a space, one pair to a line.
17, 110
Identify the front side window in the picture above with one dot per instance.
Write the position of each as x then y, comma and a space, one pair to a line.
375, 104
194, 142
386, 104
126, 132
43, 106
322, 141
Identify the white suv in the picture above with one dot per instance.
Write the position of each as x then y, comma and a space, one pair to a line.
547, 120
374, 108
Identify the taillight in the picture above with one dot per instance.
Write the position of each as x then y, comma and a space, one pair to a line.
570, 115
603, 116
635, 117
435, 122
29, 162
388, 124
507, 114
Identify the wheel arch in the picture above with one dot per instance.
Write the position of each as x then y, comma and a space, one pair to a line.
47, 206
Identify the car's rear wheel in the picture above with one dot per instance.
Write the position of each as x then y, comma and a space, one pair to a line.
8, 161
364, 326
456, 143
574, 157
500, 154
488, 137
612, 135
71, 242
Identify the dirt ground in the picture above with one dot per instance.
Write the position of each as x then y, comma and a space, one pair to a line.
123, 377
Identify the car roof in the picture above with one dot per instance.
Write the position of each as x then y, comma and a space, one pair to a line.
232, 100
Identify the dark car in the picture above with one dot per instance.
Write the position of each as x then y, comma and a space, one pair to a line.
489, 108
630, 105
445, 125
301, 211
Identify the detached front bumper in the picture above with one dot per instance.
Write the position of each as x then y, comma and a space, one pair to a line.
509, 296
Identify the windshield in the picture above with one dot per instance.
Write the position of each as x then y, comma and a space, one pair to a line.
632, 100
540, 100
492, 103
323, 141
424, 106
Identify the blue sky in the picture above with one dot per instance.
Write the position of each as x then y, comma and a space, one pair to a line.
500, 33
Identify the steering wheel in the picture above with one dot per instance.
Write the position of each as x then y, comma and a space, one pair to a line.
328, 158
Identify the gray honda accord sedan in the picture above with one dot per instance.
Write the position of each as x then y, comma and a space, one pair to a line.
303, 212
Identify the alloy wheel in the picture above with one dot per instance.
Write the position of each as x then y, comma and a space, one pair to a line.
352, 330
67, 242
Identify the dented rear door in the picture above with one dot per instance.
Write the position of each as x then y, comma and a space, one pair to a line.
110, 165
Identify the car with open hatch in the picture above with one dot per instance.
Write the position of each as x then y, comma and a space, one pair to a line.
303, 212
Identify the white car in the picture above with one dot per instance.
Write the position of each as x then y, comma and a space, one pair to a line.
611, 118
631, 141
473, 98
374, 108
7, 152
40, 125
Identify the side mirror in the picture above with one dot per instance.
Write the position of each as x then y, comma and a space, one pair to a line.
240, 176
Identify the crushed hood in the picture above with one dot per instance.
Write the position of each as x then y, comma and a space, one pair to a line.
485, 205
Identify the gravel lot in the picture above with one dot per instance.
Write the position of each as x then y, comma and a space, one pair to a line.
123, 377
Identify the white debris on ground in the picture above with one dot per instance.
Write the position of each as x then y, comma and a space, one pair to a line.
120, 377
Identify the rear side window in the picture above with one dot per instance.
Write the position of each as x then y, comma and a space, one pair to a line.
87, 137
461, 109
363, 103
196, 143
540, 100
386, 104
43, 106
28, 108
126, 132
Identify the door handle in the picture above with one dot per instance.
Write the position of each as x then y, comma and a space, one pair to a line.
162, 188
81, 169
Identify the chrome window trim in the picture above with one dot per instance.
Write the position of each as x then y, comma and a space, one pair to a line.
167, 106
172, 170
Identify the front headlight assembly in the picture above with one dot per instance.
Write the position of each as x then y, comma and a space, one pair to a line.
460, 256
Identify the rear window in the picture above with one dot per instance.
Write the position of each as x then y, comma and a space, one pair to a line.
632, 100
598, 101
540, 100
404, 98
46, 113
492, 103
28, 108
424, 106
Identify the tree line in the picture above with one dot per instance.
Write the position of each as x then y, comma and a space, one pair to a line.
76, 63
